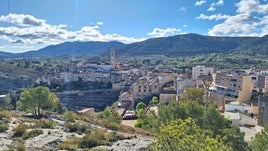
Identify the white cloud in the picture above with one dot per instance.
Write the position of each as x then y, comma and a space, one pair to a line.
249, 6
219, 3
212, 17
234, 25
214, 5
264, 30
211, 9
27, 30
157, 32
251, 20
100, 23
184, 26
183, 9
200, 2
22, 20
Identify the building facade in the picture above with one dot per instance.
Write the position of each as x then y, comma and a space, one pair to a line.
183, 84
145, 87
236, 85
262, 83
263, 110
125, 100
201, 70
112, 57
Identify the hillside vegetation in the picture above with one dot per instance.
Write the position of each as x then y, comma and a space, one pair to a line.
178, 45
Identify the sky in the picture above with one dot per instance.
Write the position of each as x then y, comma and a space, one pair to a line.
33, 24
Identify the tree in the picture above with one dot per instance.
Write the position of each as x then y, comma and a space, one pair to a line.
140, 105
69, 116
7, 103
235, 138
208, 118
36, 99
172, 111
186, 135
110, 119
195, 111
193, 94
140, 108
154, 100
259, 142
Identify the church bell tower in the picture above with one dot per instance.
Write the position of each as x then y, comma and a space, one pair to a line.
112, 57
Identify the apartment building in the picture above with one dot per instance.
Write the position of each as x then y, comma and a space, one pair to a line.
237, 85
201, 70
263, 110
68, 77
262, 83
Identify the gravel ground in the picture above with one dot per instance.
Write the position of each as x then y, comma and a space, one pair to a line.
6, 140
129, 122
48, 140
135, 144
51, 137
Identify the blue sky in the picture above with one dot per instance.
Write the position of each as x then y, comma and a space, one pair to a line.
33, 24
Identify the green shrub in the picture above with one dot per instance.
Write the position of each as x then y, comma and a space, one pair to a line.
32, 133
20, 147
115, 137
3, 127
19, 130
77, 128
138, 123
69, 116
46, 124
93, 139
110, 124
71, 144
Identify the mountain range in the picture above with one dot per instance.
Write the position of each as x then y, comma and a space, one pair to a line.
188, 44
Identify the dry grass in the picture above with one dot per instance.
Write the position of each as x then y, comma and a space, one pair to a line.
134, 130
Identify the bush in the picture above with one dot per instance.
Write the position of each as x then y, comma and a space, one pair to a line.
21, 147
95, 138
3, 127
115, 137
71, 144
19, 130
32, 133
69, 116
110, 125
138, 123
46, 124
5, 115
77, 128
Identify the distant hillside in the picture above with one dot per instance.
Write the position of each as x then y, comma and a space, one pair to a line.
179, 45
254, 46
5, 55
74, 48
188, 44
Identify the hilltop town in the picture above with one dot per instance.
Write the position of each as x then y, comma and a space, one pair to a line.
90, 85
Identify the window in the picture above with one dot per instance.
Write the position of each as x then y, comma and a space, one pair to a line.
234, 80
